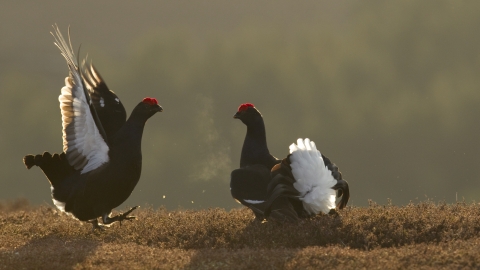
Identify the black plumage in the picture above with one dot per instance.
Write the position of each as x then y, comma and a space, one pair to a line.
102, 160
249, 183
108, 106
283, 197
274, 191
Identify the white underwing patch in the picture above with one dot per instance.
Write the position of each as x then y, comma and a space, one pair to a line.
254, 201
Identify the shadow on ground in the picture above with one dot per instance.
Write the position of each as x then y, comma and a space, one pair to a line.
59, 253
266, 245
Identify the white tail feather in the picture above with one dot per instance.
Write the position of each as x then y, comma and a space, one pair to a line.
313, 180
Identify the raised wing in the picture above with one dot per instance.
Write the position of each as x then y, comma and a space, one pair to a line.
84, 140
108, 106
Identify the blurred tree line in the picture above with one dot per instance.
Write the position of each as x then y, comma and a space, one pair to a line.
387, 90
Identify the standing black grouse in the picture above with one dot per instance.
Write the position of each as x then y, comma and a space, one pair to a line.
301, 185
101, 161
249, 183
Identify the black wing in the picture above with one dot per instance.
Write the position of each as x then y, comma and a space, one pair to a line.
248, 185
108, 106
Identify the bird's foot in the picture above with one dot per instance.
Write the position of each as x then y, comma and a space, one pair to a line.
125, 216
120, 217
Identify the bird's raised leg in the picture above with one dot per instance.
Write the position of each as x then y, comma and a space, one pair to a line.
125, 216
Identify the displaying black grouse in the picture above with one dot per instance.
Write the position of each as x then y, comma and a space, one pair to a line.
308, 181
301, 185
101, 161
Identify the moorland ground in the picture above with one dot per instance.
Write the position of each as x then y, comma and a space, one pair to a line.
423, 235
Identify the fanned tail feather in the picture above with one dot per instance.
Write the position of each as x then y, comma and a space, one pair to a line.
29, 161
55, 167
313, 179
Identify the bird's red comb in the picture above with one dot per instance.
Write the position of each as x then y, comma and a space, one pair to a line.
245, 106
150, 101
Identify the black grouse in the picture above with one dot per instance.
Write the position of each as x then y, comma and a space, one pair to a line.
249, 183
101, 161
301, 185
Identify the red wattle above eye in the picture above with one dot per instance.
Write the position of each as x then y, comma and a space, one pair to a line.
245, 106
150, 101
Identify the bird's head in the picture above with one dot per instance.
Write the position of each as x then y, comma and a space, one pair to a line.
148, 107
247, 113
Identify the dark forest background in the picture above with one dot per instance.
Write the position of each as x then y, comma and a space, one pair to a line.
388, 90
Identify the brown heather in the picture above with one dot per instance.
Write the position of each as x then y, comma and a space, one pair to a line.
421, 236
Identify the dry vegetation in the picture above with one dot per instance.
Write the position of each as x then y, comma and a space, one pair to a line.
424, 235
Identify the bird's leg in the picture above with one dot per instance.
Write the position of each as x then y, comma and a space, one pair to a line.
125, 216
96, 225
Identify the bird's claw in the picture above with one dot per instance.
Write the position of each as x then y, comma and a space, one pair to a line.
125, 216
131, 209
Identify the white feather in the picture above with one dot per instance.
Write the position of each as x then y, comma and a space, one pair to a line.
313, 180
83, 144
254, 201
60, 205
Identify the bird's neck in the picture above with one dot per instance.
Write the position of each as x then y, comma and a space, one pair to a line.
128, 139
255, 149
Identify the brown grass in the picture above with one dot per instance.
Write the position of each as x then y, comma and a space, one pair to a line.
424, 235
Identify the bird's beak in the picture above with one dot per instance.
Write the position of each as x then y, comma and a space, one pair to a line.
159, 108
237, 115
